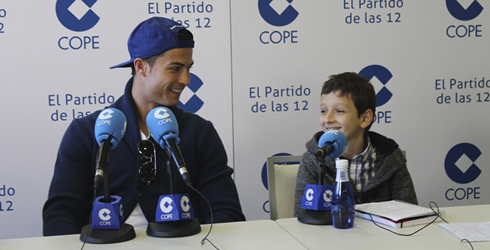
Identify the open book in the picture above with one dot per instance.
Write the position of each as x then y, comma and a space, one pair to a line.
396, 214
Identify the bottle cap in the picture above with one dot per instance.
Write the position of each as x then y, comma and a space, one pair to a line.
341, 163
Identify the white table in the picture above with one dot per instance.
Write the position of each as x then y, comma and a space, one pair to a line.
366, 235
284, 234
250, 235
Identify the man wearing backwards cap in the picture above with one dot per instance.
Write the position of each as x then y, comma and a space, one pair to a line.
161, 57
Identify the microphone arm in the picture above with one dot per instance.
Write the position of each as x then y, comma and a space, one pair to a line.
102, 170
320, 154
173, 151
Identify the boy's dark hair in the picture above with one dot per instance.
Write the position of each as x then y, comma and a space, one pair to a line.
358, 87
182, 35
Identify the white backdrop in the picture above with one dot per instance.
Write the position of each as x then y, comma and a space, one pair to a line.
262, 64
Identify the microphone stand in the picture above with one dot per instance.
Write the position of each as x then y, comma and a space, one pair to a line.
317, 217
177, 228
103, 236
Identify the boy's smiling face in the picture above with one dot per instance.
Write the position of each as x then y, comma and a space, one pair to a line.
339, 113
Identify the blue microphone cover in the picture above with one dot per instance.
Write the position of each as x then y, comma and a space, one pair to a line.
163, 125
337, 139
110, 124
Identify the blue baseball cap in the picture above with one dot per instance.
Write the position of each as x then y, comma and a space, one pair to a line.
152, 37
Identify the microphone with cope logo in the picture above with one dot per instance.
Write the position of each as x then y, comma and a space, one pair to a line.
317, 198
172, 208
164, 129
107, 210
332, 144
109, 130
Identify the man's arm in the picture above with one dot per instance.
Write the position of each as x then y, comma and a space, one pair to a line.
70, 195
215, 181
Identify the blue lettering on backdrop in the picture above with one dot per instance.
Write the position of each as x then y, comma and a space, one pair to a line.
57, 100
366, 17
461, 91
188, 8
276, 37
464, 31
9, 193
461, 193
69, 99
168, 8
279, 105
382, 117
76, 42
3, 13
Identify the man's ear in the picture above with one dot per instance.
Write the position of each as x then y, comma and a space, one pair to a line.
141, 67
367, 118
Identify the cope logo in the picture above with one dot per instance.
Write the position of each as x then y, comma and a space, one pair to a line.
76, 15
278, 13
184, 204
384, 76
375, 74
106, 114
166, 205
327, 195
458, 166
467, 12
161, 113
170, 209
461, 168
309, 194
194, 103
461, 13
104, 214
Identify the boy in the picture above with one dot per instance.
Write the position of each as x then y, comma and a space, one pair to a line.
377, 166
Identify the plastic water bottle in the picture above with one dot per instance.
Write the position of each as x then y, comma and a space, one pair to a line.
343, 205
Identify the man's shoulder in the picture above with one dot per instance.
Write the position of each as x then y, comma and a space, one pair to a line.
188, 118
82, 127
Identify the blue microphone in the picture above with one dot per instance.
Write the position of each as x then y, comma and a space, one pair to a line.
317, 199
110, 125
109, 130
332, 145
107, 210
175, 209
163, 127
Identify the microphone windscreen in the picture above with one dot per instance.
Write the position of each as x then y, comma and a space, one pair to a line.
110, 124
162, 125
337, 139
